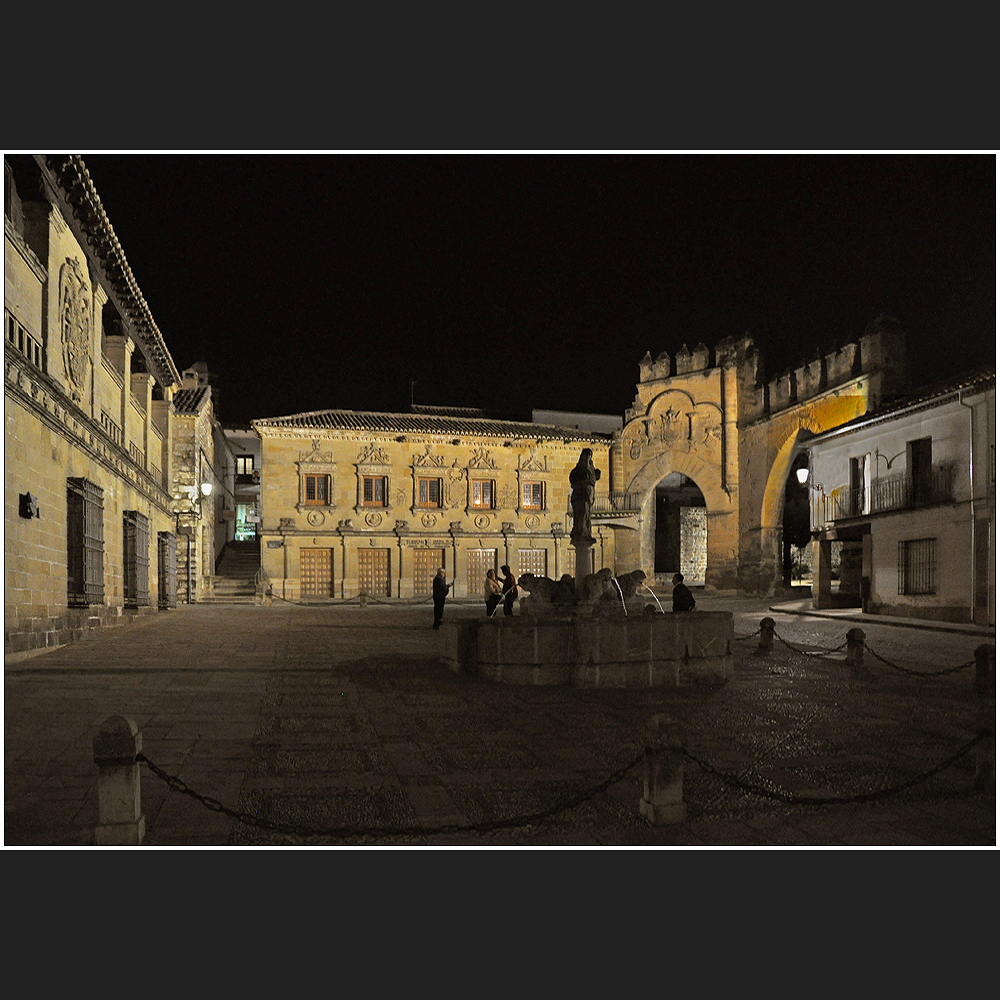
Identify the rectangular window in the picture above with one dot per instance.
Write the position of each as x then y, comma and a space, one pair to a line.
136, 565
374, 491
84, 543
531, 496
482, 493
429, 492
244, 465
917, 565
18, 337
317, 490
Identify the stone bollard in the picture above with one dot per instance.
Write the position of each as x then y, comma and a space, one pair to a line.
856, 649
662, 799
120, 821
986, 750
986, 668
766, 636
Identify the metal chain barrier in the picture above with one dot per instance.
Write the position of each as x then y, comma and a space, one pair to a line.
818, 800
920, 673
291, 829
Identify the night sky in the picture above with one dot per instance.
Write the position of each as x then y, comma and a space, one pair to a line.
509, 282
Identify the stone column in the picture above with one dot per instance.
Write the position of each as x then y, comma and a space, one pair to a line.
584, 562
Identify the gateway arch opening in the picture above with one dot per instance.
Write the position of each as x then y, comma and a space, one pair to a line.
681, 543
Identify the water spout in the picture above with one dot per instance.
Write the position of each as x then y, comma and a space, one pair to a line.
655, 598
620, 594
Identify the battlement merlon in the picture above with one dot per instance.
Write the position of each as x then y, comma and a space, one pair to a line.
879, 353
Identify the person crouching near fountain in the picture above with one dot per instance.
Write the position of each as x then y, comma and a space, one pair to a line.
683, 598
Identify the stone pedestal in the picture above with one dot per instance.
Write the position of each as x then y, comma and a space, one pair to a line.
584, 562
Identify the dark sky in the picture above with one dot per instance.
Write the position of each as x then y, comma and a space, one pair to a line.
517, 281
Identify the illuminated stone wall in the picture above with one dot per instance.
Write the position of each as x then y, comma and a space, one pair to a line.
346, 525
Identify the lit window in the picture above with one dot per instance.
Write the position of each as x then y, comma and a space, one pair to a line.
244, 465
429, 492
317, 490
374, 491
482, 493
531, 496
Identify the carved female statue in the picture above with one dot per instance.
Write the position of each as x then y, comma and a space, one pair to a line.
582, 480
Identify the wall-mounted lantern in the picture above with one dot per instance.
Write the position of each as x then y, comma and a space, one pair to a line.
28, 506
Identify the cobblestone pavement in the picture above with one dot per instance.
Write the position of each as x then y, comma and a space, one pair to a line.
320, 720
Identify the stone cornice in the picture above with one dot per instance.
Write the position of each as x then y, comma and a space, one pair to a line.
34, 391
71, 184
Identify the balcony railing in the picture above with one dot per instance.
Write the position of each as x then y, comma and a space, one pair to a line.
892, 493
617, 504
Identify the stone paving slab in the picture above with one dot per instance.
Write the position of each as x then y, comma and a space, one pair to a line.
326, 717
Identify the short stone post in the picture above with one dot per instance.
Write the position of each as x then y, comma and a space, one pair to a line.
120, 821
766, 640
856, 649
662, 801
986, 749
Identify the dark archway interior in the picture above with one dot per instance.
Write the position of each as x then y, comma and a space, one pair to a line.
680, 533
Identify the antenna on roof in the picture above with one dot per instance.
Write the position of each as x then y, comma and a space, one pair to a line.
413, 382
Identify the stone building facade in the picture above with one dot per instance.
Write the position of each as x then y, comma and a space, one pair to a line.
702, 419
910, 491
711, 420
374, 503
97, 480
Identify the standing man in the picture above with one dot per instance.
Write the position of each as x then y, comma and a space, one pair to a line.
683, 598
508, 591
440, 593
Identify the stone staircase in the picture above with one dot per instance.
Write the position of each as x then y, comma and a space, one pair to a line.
234, 579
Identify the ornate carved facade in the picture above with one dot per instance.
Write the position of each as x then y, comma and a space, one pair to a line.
94, 436
380, 500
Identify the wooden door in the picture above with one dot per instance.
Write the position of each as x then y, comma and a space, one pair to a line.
373, 572
425, 565
480, 560
316, 572
531, 561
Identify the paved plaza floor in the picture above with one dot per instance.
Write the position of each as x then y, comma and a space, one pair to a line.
336, 725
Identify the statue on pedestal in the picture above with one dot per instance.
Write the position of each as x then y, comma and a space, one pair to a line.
582, 480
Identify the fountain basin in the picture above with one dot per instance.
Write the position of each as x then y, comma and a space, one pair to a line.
637, 651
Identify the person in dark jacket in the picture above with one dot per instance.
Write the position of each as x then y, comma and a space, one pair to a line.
440, 593
683, 599
509, 591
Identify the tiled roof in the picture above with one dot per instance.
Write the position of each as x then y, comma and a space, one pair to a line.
190, 400
416, 423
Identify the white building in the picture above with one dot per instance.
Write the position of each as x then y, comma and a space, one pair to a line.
908, 495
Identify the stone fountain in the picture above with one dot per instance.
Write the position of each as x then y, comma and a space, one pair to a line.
594, 630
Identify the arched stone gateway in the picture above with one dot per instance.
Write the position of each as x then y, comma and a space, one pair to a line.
736, 437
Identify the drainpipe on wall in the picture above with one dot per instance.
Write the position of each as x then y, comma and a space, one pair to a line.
972, 510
